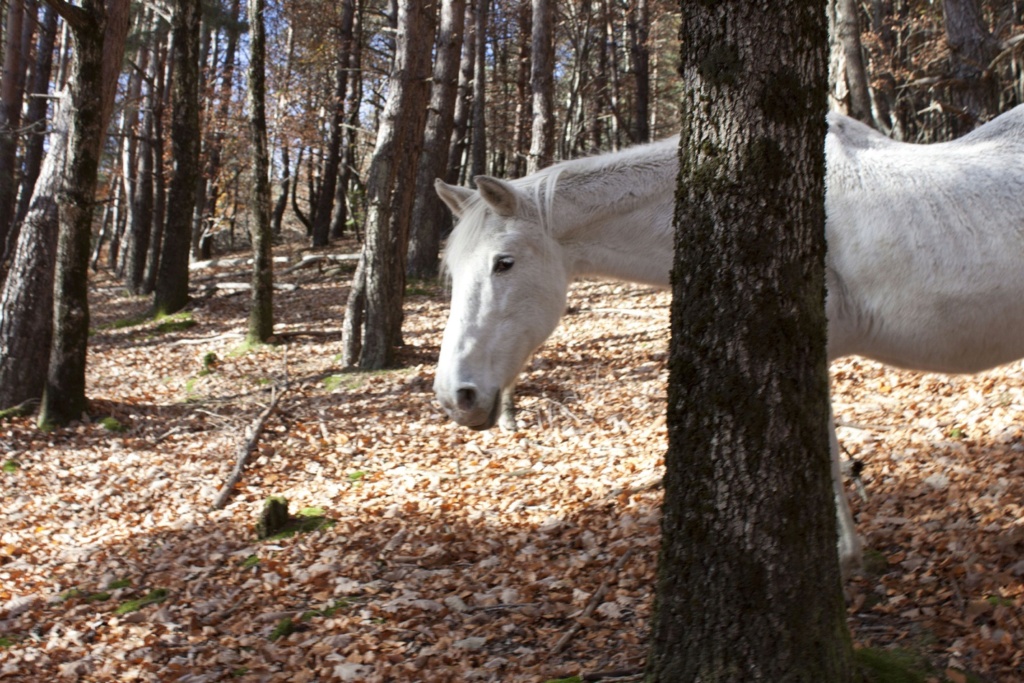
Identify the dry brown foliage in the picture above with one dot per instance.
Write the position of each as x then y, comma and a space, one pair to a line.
454, 555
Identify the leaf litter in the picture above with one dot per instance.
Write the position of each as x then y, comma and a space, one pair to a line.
453, 555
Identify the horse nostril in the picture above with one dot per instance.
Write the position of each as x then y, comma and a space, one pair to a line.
466, 398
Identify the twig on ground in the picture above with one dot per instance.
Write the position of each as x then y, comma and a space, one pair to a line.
248, 448
595, 600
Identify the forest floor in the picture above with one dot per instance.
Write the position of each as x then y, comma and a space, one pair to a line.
447, 554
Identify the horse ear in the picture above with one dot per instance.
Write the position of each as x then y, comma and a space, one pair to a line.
500, 195
454, 196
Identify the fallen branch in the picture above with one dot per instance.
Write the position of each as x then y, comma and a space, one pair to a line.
248, 448
319, 258
221, 262
238, 287
595, 600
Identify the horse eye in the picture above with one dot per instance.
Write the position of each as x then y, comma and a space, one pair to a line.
503, 264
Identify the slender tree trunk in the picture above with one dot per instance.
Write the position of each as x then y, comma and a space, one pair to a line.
478, 146
348, 173
373, 318
428, 211
848, 76
286, 173
542, 82
138, 164
171, 292
99, 32
748, 584
972, 47
11, 97
639, 35
523, 120
161, 99
261, 311
35, 118
325, 202
463, 99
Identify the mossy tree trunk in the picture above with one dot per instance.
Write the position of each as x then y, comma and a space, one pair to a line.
748, 583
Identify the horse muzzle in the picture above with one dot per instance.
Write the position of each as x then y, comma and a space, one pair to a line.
471, 408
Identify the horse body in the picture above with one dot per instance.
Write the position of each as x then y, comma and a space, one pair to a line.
926, 247
924, 270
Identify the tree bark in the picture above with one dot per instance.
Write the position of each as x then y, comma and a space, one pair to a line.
214, 185
748, 582
374, 314
171, 292
478, 145
261, 310
972, 47
848, 76
639, 32
11, 96
35, 124
463, 100
542, 83
429, 212
99, 30
325, 202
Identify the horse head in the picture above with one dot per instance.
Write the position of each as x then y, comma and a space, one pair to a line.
509, 280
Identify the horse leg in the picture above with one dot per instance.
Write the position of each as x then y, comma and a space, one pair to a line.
849, 544
507, 417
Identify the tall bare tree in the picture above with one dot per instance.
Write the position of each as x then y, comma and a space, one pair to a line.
373, 316
972, 47
848, 75
324, 210
428, 212
542, 83
61, 197
171, 293
748, 578
11, 95
261, 308
478, 129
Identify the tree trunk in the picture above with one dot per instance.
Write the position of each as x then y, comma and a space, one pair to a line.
11, 96
429, 212
35, 117
463, 100
325, 202
524, 102
975, 90
284, 183
261, 311
171, 292
342, 216
542, 83
478, 146
374, 315
138, 166
161, 99
639, 31
212, 183
99, 33
748, 581
848, 76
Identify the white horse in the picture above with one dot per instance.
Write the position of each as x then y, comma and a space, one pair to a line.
925, 263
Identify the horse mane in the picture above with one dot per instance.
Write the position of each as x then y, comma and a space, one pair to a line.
611, 178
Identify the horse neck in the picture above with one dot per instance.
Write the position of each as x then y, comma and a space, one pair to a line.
617, 224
